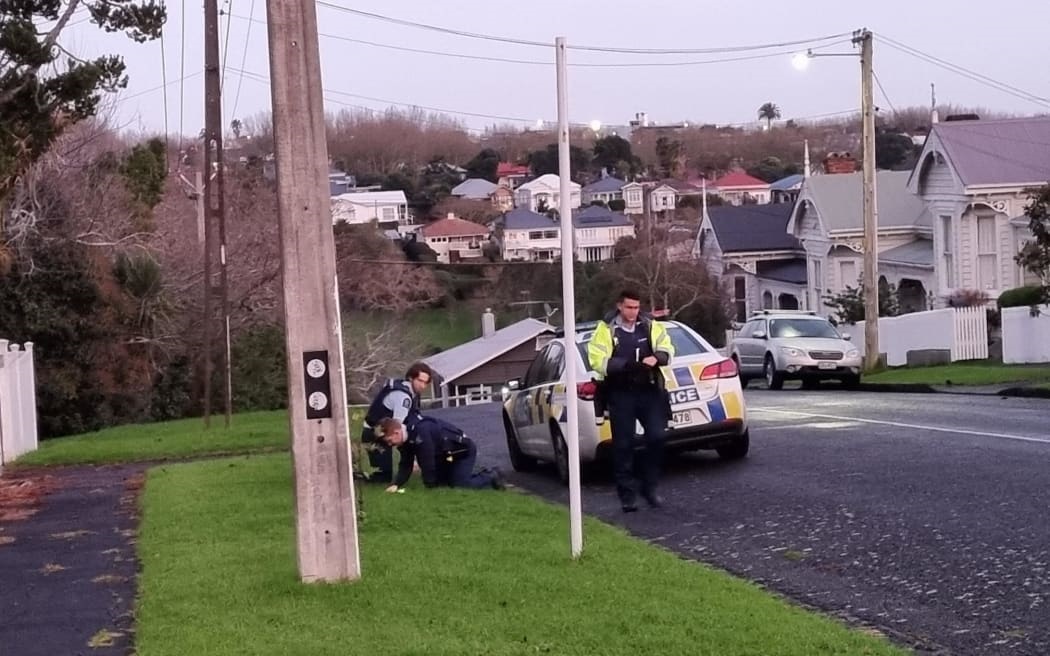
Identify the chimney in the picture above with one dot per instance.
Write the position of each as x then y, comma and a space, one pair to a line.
451, 215
488, 323
839, 163
805, 161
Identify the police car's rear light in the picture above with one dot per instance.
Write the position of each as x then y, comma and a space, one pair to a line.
723, 369
587, 390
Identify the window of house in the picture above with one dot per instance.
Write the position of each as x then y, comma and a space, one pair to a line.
550, 234
818, 277
987, 253
536, 234
767, 300
848, 273
389, 214
947, 251
740, 298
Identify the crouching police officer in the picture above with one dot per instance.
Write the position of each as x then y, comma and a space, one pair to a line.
445, 455
627, 351
398, 399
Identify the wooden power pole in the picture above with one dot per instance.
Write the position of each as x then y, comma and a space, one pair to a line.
326, 517
871, 228
215, 206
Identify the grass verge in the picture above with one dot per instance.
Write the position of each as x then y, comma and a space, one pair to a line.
445, 572
963, 373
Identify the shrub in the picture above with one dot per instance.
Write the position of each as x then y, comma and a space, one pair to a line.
1021, 296
968, 298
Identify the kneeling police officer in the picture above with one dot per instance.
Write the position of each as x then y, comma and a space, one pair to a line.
446, 456
397, 399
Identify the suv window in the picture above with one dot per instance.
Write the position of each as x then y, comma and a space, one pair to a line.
684, 345
802, 328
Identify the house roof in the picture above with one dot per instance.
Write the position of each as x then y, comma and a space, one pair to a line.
453, 227
915, 253
791, 271
460, 360
549, 181
604, 186
474, 189
785, 184
681, 186
837, 198
752, 227
738, 179
506, 168
1002, 152
525, 219
373, 197
596, 216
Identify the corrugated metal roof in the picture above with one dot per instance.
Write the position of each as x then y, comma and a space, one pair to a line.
739, 179
523, 219
791, 271
840, 205
461, 360
1002, 152
605, 186
453, 227
474, 189
600, 217
916, 253
785, 184
753, 227
373, 197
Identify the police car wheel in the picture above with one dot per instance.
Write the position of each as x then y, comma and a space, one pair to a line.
518, 460
561, 455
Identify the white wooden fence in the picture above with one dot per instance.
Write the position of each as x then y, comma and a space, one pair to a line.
961, 331
18, 433
1026, 338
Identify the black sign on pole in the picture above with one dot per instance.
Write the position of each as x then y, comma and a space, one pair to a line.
317, 385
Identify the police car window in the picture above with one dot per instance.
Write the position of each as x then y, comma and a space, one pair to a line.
533, 374
684, 343
551, 369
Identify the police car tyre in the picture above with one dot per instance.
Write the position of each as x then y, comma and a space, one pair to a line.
561, 455
851, 382
518, 460
738, 449
774, 379
744, 380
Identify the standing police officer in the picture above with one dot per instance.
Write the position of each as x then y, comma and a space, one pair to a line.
446, 456
398, 399
626, 352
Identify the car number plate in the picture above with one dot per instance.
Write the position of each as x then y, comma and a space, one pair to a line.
825, 365
682, 418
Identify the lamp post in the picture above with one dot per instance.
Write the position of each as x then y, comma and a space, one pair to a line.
863, 37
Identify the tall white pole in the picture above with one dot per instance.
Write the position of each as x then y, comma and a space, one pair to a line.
568, 287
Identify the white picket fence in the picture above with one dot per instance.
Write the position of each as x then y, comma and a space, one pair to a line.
1026, 339
18, 432
961, 331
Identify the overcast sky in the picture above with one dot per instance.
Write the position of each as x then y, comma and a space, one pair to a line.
1000, 41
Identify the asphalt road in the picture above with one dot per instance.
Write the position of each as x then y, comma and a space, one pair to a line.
923, 515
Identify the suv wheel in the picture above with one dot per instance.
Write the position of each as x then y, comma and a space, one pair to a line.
774, 380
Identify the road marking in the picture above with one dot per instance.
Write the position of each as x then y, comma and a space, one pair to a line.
897, 424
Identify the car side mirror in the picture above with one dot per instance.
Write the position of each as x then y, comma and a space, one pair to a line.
759, 334
847, 337
514, 384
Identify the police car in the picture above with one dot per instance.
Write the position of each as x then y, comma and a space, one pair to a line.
707, 404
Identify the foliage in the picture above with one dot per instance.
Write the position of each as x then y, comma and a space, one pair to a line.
145, 170
617, 205
546, 161
1026, 296
1035, 256
613, 154
478, 211
260, 369
894, 151
40, 98
962, 373
484, 165
848, 305
771, 169
968, 298
669, 156
769, 112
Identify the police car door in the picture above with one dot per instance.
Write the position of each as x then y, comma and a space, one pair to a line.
537, 434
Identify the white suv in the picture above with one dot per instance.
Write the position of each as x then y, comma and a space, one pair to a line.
779, 345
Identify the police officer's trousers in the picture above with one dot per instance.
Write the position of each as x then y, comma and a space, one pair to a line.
646, 405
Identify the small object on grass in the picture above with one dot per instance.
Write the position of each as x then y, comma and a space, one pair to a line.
401, 490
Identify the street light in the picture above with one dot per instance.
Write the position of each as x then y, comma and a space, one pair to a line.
871, 234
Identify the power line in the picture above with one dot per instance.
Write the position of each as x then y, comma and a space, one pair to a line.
882, 89
226, 45
164, 79
182, 81
244, 58
526, 42
539, 62
965, 72
159, 87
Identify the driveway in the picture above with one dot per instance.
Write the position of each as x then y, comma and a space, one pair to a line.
924, 515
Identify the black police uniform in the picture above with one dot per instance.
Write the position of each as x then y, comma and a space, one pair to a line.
379, 455
446, 456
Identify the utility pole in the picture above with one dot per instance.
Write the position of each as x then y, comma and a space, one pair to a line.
326, 516
871, 234
214, 194
568, 290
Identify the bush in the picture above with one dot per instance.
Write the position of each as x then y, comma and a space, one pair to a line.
617, 205
968, 298
1021, 296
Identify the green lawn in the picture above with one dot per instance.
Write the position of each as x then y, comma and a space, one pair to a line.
444, 572
963, 373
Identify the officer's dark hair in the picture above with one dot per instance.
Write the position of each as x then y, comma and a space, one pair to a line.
629, 294
419, 368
